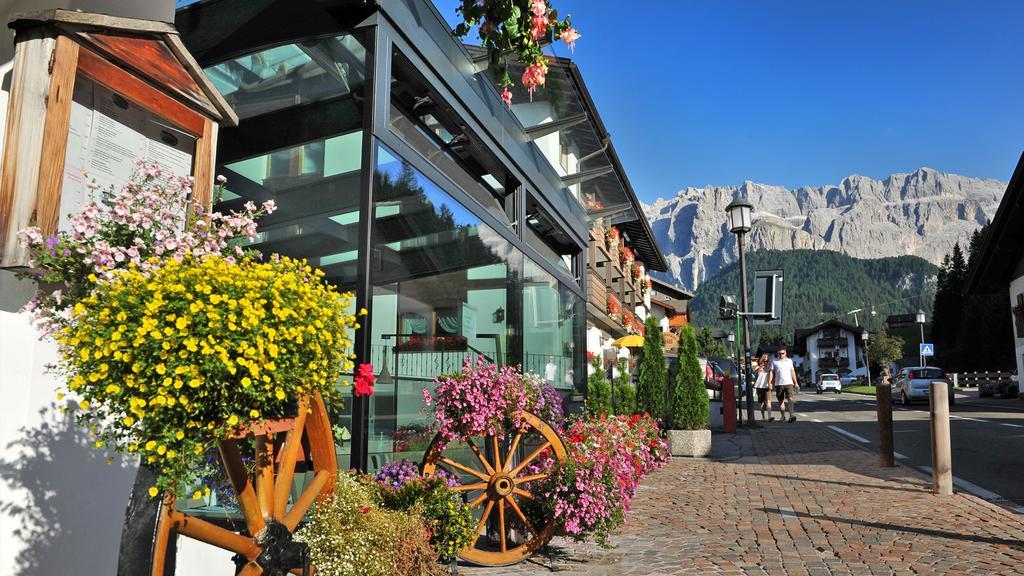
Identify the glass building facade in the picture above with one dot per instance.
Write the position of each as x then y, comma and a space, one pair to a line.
398, 172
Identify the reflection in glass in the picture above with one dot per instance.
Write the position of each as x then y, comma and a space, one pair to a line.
441, 292
292, 74
550, 314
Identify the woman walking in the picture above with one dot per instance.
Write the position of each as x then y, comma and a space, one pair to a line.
763, 387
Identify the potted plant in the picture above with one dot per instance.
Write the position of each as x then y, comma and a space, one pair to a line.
688, 433
612, 238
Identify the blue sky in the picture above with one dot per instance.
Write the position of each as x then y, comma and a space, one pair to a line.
802, 92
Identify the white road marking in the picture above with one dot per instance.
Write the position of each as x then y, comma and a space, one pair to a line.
1011, 425
900, 456
851, 435
970, 487
815, 420
966, 418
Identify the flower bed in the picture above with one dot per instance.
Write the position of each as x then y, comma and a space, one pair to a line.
608, 457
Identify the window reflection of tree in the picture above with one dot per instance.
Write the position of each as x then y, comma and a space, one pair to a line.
432, 240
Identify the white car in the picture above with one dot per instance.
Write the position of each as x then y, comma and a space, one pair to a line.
829, 382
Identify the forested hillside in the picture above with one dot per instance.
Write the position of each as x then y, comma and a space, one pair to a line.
821, 284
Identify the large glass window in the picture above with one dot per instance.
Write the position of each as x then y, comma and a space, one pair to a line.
551, 314
314, 180
292, 74
442, 288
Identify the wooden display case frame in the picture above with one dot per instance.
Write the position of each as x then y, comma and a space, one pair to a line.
52, 49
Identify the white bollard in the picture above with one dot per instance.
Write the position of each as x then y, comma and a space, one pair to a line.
942, 461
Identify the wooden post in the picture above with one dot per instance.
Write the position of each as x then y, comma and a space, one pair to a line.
942, 462
883, 407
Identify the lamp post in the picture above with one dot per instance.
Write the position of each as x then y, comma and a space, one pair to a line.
920, 322
867, 363
739, 211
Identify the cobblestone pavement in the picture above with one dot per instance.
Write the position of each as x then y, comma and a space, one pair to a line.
794, 499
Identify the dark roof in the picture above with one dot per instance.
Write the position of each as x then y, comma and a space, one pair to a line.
670, 289
1003, 246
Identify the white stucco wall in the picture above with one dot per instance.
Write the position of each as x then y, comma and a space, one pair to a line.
61, 504
1017, 287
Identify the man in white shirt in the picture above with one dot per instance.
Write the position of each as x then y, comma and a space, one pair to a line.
783, 380
550, 371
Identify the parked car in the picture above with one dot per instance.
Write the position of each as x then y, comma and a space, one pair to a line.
849, 377
913, 383
829, 382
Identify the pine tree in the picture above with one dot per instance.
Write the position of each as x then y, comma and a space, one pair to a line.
599, 390
690, 406
625, 394
650, 389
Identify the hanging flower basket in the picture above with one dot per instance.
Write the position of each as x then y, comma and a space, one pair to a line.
613, 308
521, 28
626, 257
612, 238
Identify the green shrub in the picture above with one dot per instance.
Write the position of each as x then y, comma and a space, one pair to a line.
650, 390
625, 393
599, 391
690, 407
350, 534
450, 522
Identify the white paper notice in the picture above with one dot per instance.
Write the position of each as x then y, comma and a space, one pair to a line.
108, 134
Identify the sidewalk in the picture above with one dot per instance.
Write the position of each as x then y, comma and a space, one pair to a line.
794, 499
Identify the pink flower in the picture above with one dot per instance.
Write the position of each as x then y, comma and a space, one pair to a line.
506, 97
539, 27
539, 7
534, 76
569, 36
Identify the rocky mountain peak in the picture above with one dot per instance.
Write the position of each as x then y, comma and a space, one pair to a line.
920, 213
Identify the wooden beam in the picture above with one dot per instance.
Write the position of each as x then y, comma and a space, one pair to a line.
203, 164
55, 135
23, 138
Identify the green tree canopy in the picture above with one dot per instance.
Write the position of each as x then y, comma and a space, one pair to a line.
884, 349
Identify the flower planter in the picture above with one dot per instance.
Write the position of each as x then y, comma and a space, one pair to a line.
692, 443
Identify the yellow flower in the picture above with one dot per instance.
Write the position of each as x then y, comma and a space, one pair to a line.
197, 495
254, 413
153, 491
233, 420
246, 382
363, 312
150, 445
161, 369
161, 450
128, 420
84, 404
180, 435
112, 389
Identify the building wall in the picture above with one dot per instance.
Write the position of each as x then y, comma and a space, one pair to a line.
61, 505
1017, 287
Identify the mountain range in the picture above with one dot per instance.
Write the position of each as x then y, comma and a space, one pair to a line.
921, 213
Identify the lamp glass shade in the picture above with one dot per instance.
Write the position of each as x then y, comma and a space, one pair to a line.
920, 316
738, 212
864, 335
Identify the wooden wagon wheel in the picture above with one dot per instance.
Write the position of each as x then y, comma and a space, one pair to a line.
500, 480
265, 545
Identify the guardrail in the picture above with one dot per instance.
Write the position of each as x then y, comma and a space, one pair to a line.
975, 379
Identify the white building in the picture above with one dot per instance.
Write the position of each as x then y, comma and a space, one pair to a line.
831, 347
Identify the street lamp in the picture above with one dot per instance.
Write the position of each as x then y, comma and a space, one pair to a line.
867, 362
920, 322
738, 212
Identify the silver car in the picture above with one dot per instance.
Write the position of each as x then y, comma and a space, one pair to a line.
914, 382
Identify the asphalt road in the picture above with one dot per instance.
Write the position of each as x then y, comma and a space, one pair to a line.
987, 437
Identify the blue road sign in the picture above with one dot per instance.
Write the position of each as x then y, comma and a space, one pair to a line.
927, 349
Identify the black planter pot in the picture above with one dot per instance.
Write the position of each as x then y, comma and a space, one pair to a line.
135, 557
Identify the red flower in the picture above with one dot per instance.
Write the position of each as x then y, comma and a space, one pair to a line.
364, 380
577, 438
364, 509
